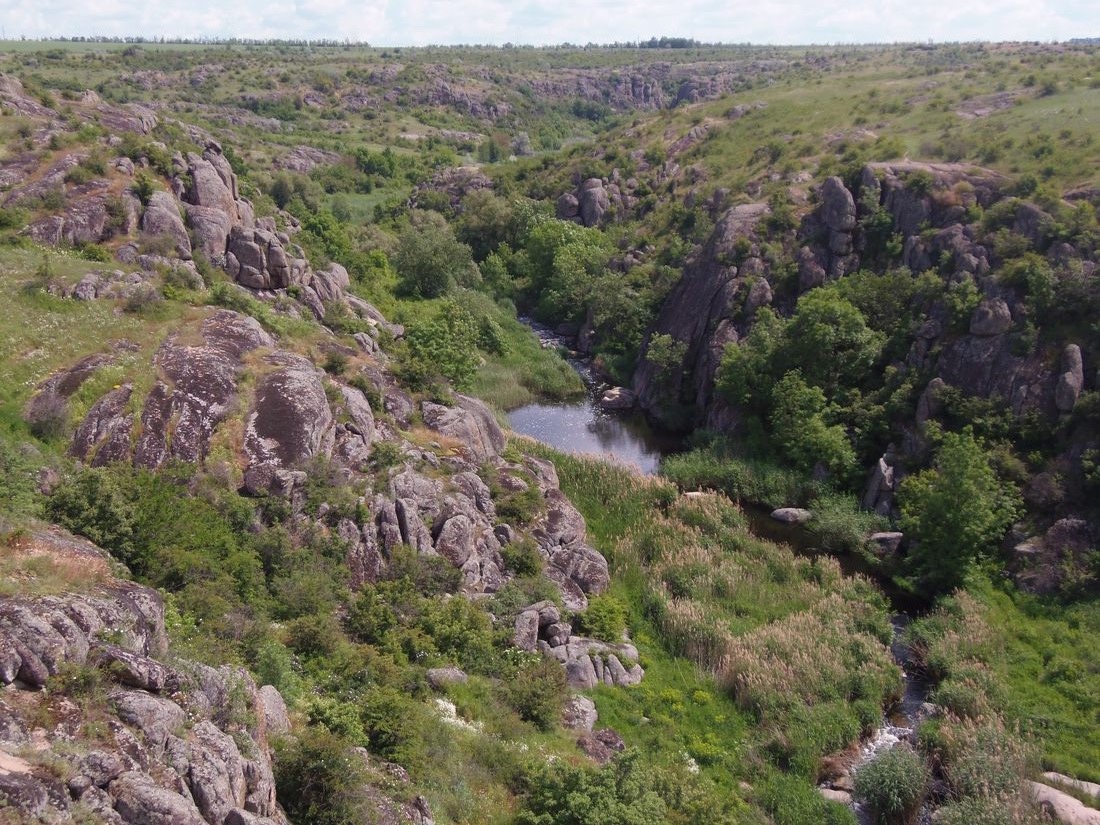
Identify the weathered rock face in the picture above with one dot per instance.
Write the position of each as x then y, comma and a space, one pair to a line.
698, 313
592, 203
306, 158
162, 217
992, 317
256, 259
88, 218
1071, 380
197, 389
290, 422
1044, 563
469, 422
573, 565
151, 767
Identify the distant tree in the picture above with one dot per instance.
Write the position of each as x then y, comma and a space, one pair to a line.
430, 261
954, 513
484, 222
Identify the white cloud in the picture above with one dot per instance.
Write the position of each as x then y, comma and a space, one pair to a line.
422, 22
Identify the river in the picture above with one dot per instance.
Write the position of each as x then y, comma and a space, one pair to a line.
581, 426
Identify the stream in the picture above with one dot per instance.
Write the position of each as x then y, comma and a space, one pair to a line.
581, 426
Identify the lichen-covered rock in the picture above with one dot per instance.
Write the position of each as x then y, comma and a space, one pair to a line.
197, 390
1071, 381
104, 436
216, 775
992, 317
139, 801
791, 515
579, 713
290, 422
162, 217
470, 423
440, 677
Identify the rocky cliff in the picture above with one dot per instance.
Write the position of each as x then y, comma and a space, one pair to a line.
100, 721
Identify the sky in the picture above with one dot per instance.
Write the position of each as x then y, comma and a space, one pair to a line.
544, 22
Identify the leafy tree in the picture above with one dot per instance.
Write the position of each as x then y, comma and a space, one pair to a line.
566, 262
383, 164
800, 430
745, 374
484, 222
829, 340
430, 261
955, 512
319, 780
444, 346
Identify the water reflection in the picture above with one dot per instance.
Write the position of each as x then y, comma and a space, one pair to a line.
581, 427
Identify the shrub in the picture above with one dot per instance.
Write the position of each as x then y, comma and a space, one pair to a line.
319, 780
143, 188
522, 558
893, 784
143, 298
572, 795
536, 690
604, 619
792, 801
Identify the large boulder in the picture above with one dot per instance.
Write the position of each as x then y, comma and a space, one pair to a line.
162, 217
140, 801
1071, 381
211, 227
992, 317
197, 385
290, 421
471, 423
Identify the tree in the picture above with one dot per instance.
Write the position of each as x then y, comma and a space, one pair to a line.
955, 512
800, 430
444, 346
484, 222
829, 341
745, 373
430, 261
566, 262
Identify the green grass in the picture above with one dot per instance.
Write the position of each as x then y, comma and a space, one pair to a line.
726, 624
1031, 660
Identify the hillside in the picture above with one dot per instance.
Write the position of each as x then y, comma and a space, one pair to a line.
269, 555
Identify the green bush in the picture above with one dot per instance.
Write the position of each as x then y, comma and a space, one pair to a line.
621, 792
319, 780
522, 558
792, 801
893, 784
604, 619
536, 690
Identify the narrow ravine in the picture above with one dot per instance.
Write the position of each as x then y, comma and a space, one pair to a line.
582, 426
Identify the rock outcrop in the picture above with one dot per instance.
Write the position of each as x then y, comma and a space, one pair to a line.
471, 423
699, 313
164, 757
